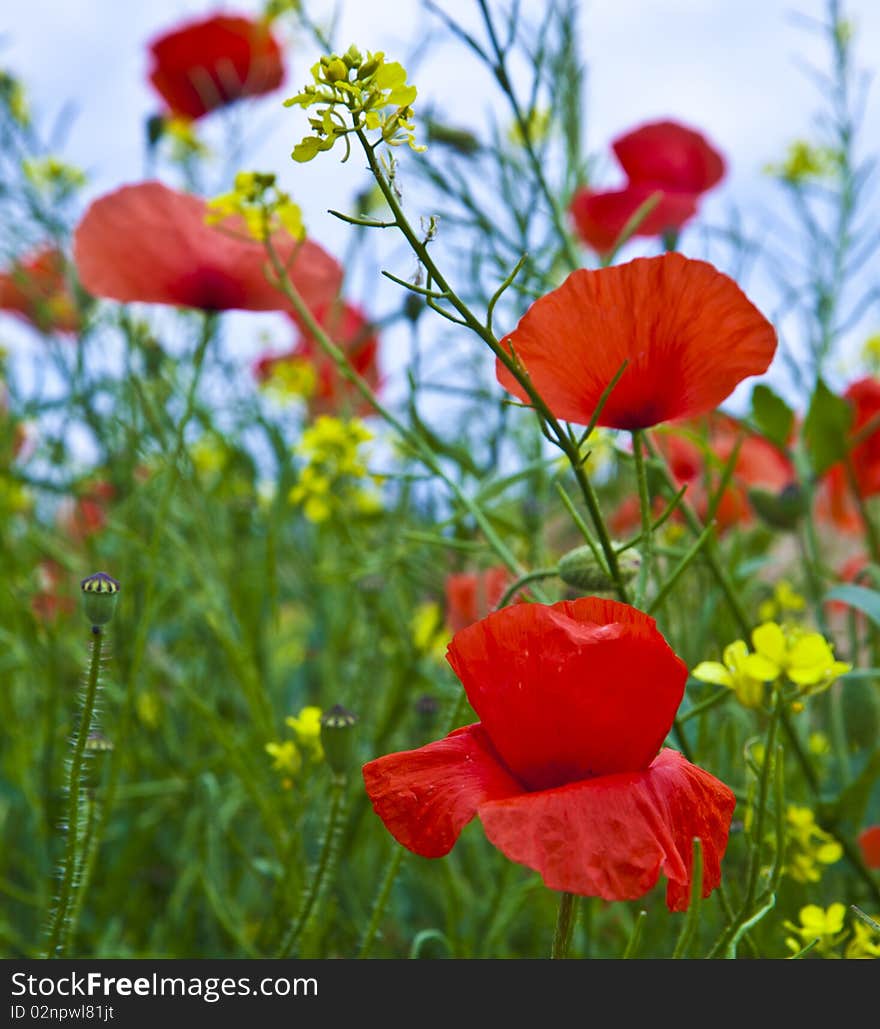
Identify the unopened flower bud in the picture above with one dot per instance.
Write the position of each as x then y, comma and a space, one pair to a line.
100, 593
335, 70
782, 510
580, 568
337, 738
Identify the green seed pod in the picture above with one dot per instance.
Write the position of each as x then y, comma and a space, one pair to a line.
100, 593
337, 738
580, 568
781, 510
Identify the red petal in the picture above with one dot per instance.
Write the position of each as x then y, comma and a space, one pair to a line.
600, 218
427, 796
610, 837
869, 844
687, 331
213, 62
864, 396
667, 154
149, 243
569, 691
36, 289
472, 595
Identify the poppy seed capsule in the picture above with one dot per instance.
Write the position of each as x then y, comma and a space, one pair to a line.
100, 592
337, 738
782, 510
580, 568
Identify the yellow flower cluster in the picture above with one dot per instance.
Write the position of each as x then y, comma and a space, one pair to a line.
291, 377
809, 847
373, 91
331, 478
287, 755
12, 97
806, 161
785, 599
805, 659
865, 942
53, 177
822, 925
261, 205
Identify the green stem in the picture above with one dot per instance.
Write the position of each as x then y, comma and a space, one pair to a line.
324, 868
565, 919
647, 547
60, 921
515, 587
381, 902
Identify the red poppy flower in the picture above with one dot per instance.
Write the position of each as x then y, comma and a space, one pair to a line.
575, 700
471, 596
37, 290
663, 158
149, 243
86, 515
351, 331
207, 64
688, 333
49, 602
869, 844
864, 398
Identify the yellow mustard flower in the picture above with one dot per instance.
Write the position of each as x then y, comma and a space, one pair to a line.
822, 924
307, 726
732, 673
865, 942
809, 846
805, 658
285, 756
262, 206
429, 632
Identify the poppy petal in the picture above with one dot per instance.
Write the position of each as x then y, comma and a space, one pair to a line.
149, 243
600, 217
611, 837
427, 796
688, 333
570, 690
665, 153
210, 63
869, 844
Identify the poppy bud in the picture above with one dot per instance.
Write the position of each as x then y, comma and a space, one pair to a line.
781, 510
580, 568
100, 592
337, 738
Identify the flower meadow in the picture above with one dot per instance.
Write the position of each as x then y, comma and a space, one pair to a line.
515, 594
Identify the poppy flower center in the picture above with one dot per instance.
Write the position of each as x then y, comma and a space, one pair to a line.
210, 289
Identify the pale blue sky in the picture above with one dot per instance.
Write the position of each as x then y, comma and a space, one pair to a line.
727, 68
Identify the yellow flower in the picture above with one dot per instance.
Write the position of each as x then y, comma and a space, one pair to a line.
805, 658
865, 942
809, 846
749, 690
285, 756
329, 479
428, 628
307, 726
804, 160
262, 206
824, 925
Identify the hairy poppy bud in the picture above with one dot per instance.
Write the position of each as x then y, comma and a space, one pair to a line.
337, 738
580, 568
100, 593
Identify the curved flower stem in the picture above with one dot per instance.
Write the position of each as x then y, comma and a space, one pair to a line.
515, 587
645, 508
421, 449
381, 902
75, 788
325, 866
565, 919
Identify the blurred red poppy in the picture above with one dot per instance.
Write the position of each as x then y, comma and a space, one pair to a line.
149, 243
664, 158
349, 328
869, 844
471, 596
213, 62
688, 333
575, 700
50, 602
37, 289
85, 515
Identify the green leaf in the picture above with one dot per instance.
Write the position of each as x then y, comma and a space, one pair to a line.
860, 597
826, 428
853, 801
772, 415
